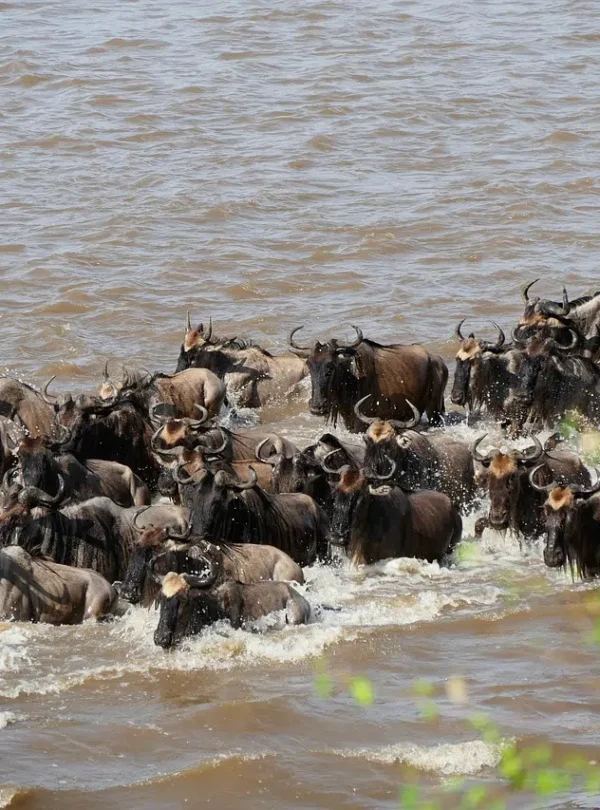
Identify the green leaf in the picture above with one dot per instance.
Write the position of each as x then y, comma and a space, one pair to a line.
538, 756
474, 797
429, 710
423, 688
361, 690
323, 685
409, 797
592, 782
549, 781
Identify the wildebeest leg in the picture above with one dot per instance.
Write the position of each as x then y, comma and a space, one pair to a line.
100, 605
480, 525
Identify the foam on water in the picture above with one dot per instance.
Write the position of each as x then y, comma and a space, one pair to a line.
457, 759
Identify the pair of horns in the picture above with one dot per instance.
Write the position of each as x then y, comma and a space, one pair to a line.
549, 307
553, 485
531, 454
341, 346
33, 496
521, 339
370, 475
188, 327
222, 479
486, 346
395, 423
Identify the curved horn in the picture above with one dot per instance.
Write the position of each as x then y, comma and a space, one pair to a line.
525, 289
515, 334
65, 435
218, 450
158, 417
547, 488
295, 345
387, 476
457, 331
177, 476
135, 523
48, 399
245, 484
36, 495
188, 322
477, 455
208, 336
594, 488
203, 417
495, 347
566, 305
576, 338
105, 372
163, 451
257, 450
328, 469
355, 343
532, 453
368, 420
410, 423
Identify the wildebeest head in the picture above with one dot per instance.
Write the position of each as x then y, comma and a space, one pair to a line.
468, 359
352, 486
194, 342
178, 613
175, 435
154, 543
507, 475
560, 517
334, 371
386, 439
37, 465
535, 358
209, 497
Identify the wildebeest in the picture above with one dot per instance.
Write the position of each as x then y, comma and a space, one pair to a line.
222, 508
110, 431
37, 466
180, 393
483, 373
253, 375
549, 382
231, 445
160, 550
96, 534
581, 314
341, 374
38, 590
189, 604
23, 404
435, 461
300, 473
191, 464
514, 504
373, 521
346, 453
572, 526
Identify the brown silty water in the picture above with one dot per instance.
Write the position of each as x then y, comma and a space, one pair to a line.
395, 166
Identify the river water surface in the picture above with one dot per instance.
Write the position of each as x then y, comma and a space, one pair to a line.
394, 165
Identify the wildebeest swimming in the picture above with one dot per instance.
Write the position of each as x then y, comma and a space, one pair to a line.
251, 507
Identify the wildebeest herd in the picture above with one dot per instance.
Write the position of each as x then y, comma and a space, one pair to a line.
141, 485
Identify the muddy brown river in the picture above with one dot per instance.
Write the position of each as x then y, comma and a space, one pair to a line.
397, 166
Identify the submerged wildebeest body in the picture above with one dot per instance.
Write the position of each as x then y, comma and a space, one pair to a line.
241, 512
341, 374
483, 373
253, 376
549, 382
514, 503
571, 526
434, 461
179, 394
38, 467
373, 521
189, 604
23, 404
38, 590
159, 551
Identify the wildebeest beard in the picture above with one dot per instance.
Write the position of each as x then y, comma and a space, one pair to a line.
344, 507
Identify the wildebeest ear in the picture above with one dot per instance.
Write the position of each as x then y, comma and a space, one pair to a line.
221, 478
354, 366
402, 440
